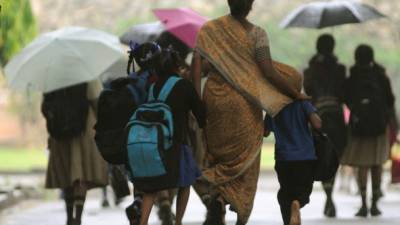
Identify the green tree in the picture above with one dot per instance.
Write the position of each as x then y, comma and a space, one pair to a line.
17, 27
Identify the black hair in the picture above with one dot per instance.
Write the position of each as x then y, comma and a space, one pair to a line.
167, 62
364, 55
240, 8
166, 40
142, 54
325, 44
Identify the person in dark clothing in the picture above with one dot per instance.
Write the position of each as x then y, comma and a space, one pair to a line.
324, 80
182, 100
294, 154
369, 95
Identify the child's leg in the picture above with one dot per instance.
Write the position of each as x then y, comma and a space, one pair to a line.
147, 204
164, 202
181, 203
296, 180
362, 178
295, 216
69, 204
284, 198
285, 206
376, 177
330, 209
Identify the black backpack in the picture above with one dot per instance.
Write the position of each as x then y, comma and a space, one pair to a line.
327, 157
66, 111
369, 115
115, 106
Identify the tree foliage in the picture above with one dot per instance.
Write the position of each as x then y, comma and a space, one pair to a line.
18, 27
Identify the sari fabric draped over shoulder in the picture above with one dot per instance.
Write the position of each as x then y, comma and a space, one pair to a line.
235, 94
227, 45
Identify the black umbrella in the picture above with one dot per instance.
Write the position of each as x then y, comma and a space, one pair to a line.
328, 14
143, 33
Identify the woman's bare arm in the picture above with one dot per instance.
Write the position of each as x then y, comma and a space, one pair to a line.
196, 72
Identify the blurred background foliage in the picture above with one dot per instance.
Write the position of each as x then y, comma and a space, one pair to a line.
18, 27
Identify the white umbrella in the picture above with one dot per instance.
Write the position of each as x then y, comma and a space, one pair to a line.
115, 71
62, 58
332, 13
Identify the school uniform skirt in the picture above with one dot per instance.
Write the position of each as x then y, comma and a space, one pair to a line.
366, 151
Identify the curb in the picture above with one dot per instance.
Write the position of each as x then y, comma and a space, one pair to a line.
10, 198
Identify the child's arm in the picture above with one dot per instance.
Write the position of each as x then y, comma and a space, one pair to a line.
315, 121
267, 127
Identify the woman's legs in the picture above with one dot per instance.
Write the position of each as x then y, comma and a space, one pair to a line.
216, 211
376, 177
181, 203
147, 205
362, 179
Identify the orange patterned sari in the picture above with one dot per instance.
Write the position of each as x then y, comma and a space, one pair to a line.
235, 95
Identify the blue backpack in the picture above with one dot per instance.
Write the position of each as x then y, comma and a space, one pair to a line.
150, 134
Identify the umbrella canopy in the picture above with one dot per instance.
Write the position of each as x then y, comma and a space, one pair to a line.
143, 33
184, 23
327, 14
62, 58
116, 70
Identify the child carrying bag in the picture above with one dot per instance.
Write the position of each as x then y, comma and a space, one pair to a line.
150, 134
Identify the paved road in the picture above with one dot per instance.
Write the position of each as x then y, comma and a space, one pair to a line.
266, 211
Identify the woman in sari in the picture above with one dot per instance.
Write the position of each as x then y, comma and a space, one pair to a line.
242, 82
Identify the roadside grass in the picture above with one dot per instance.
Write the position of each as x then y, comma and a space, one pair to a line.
22, 159
25, 159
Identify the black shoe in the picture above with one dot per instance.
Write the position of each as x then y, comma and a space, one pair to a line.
76, 222
118, 201
105, 203
165, 214
215, 213
133, 212
330, 209
362, 212
375, 210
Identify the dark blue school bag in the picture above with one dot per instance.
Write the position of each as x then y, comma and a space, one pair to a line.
150, 134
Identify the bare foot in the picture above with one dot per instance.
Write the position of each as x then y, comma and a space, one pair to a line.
295, 218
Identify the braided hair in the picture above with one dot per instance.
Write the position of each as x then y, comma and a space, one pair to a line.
142, 55
167, 63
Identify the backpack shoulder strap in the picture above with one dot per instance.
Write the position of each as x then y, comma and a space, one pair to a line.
150, 97
167, 88
134, 93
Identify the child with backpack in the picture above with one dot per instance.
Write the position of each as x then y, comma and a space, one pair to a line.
369, 96
75, 165
117, 103
158, 154
294, 154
